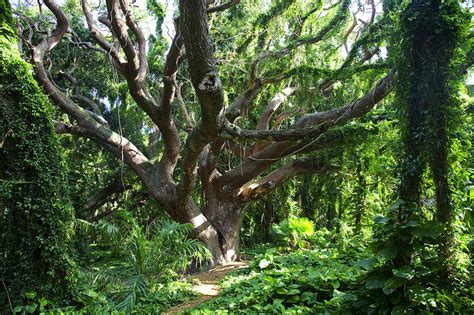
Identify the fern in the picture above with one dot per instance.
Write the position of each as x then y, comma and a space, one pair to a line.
163, 250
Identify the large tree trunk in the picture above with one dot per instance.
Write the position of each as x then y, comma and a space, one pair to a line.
226, 218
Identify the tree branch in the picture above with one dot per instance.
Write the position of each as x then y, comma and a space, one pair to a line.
120, 31
274, 135
275, 102
265, 185
167, 125
303, 40
135, 69
99, 38
223, 6
119, 146
87, 126
141, 41
207, 84
242, 105
116, 186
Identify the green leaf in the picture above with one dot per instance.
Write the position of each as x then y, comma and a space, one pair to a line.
392, 284
380, 219
395, 205
405, 272
277, 302
389, 252
43, 302
400, 309
411, 223
375, 281
294, 299
282, 291
309, 297
30, 295
31, 308
431, 229
367, 263
293, 292
422, 295
264, 263
18, 309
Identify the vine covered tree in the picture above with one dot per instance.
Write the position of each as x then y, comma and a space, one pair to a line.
35, 216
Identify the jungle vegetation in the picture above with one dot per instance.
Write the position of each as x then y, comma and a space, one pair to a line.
327, 143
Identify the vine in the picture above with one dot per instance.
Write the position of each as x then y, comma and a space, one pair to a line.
35, 215
417, 239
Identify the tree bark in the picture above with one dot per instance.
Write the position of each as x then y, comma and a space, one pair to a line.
226, 217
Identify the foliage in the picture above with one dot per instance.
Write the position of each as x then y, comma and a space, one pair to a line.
129, 270
332, 277
35, 214
415, 239
294, 231
133, 266
315, 280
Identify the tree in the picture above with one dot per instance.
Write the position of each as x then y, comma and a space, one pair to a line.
35, 216
190, 156
415, 236
428, 93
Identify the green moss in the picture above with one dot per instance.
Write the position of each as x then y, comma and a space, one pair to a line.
35, 215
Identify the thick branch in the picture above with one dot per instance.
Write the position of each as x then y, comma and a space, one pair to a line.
119, 146
359, 108
87, 126
135, 67
223, 6
274, 135
99, 38
264, 121
99, 199
242, 105
204, 76
87, 101
141, 41
120, 30
266, 184
206, 82
166, 123
80, 98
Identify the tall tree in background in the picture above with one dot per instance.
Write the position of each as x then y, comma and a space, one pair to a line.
428, 87
416, 238
35, 216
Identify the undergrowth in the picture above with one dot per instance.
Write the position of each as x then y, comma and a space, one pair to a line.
331, 274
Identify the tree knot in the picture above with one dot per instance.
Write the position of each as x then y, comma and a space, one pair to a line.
210, 83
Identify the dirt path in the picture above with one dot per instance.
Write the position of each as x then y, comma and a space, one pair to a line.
206, 284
